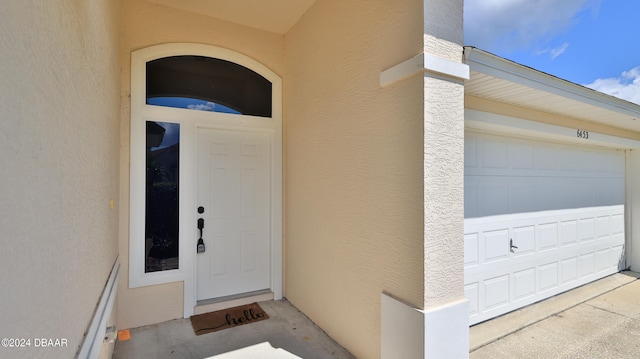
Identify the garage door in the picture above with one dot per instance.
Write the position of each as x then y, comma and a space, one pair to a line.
540, 218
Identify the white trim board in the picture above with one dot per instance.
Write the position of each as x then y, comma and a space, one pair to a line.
402, 329
411, 333
424, 63
480, 120
96, 333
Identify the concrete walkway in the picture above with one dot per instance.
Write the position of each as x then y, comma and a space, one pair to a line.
598, 320
287, 334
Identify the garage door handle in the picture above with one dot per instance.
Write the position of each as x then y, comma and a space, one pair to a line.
511, 246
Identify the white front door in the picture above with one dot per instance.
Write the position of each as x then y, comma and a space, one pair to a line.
233, 189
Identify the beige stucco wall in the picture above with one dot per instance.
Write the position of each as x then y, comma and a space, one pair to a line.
354, 159
145, 24
59, 81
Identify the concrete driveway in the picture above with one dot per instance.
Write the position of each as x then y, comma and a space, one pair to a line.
599, 320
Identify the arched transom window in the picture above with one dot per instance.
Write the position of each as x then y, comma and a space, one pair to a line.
207, 84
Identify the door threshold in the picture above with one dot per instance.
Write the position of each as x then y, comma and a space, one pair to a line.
211, 305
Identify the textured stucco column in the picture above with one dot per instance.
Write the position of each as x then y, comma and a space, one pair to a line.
446, 310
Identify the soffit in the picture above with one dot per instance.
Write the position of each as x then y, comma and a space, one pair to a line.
276, 16
505, 81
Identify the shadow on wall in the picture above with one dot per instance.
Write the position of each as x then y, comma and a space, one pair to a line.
622, 264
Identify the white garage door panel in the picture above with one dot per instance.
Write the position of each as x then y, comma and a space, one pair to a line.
510, 175
498, 281
493, 195
561, 205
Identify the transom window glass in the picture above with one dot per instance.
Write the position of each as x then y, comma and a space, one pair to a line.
207, 84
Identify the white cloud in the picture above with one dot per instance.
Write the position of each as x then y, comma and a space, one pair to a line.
555, 52
626, 87
559, 50
513, 24
209, 106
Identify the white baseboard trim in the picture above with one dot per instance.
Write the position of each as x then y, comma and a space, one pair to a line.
92, 344
410, 333
447, 331
402, 330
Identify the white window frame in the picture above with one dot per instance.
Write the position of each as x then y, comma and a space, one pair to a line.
190, 121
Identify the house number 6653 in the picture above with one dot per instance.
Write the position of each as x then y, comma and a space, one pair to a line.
583, 134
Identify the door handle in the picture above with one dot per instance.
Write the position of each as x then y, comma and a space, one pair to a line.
511, 246
200, 225
200, 246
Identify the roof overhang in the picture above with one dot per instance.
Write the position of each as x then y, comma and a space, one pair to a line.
276, 16
505, 81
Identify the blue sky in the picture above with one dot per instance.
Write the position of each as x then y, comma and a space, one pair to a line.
595, 43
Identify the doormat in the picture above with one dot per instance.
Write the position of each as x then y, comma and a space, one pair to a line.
227, 318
